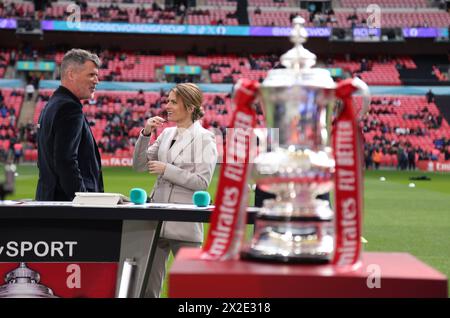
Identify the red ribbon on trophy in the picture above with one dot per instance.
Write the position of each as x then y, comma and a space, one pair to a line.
227, 222
347, 144
228, 219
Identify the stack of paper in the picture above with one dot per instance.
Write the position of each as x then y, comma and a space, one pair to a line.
99, 199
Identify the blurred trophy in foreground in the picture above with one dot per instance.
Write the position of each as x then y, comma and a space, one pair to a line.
302, 162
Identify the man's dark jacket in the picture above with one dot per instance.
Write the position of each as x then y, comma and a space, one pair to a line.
68, 157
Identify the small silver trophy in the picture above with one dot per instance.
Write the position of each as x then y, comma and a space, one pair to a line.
23, 282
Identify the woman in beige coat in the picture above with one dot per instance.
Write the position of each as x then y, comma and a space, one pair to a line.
184, 158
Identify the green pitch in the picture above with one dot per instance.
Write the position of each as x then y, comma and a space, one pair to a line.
397, 218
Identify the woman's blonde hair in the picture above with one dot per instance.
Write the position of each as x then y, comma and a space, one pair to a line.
192, 98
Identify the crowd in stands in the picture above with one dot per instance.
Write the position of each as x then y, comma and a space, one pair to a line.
397, 129
380, 70
27, 53
127, 66
4, 61
142, 66
228, 69
394, 136
116, 119
403, 155
11, 9
263, 13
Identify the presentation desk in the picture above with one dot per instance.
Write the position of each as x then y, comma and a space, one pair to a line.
80, 251
381, 275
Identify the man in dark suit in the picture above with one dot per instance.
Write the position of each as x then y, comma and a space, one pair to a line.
68, 157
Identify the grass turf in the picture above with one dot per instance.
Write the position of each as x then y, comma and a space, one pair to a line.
396, 217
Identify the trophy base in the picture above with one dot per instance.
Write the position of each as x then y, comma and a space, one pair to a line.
291, 242
254, 255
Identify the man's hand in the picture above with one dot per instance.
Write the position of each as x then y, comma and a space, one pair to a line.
156, 167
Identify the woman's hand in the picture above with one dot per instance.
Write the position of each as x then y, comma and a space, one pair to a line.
153, 123
156, 167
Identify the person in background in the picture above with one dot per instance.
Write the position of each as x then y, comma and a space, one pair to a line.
411, 159
377, 156
30, 91
430, 96
18, 152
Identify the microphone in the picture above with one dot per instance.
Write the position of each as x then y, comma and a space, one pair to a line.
138, 196
201, 198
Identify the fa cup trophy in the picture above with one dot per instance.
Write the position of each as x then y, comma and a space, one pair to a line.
312, 150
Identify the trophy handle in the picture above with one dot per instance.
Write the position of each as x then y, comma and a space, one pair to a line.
363, 88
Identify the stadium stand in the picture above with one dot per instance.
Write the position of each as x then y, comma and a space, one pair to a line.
394, 121
117, 117
129, 66
385, 3
268, 13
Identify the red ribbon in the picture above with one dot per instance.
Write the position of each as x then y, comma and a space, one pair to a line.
347, 143
227, 222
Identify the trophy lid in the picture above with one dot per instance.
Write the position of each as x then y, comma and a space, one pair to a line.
298, 63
